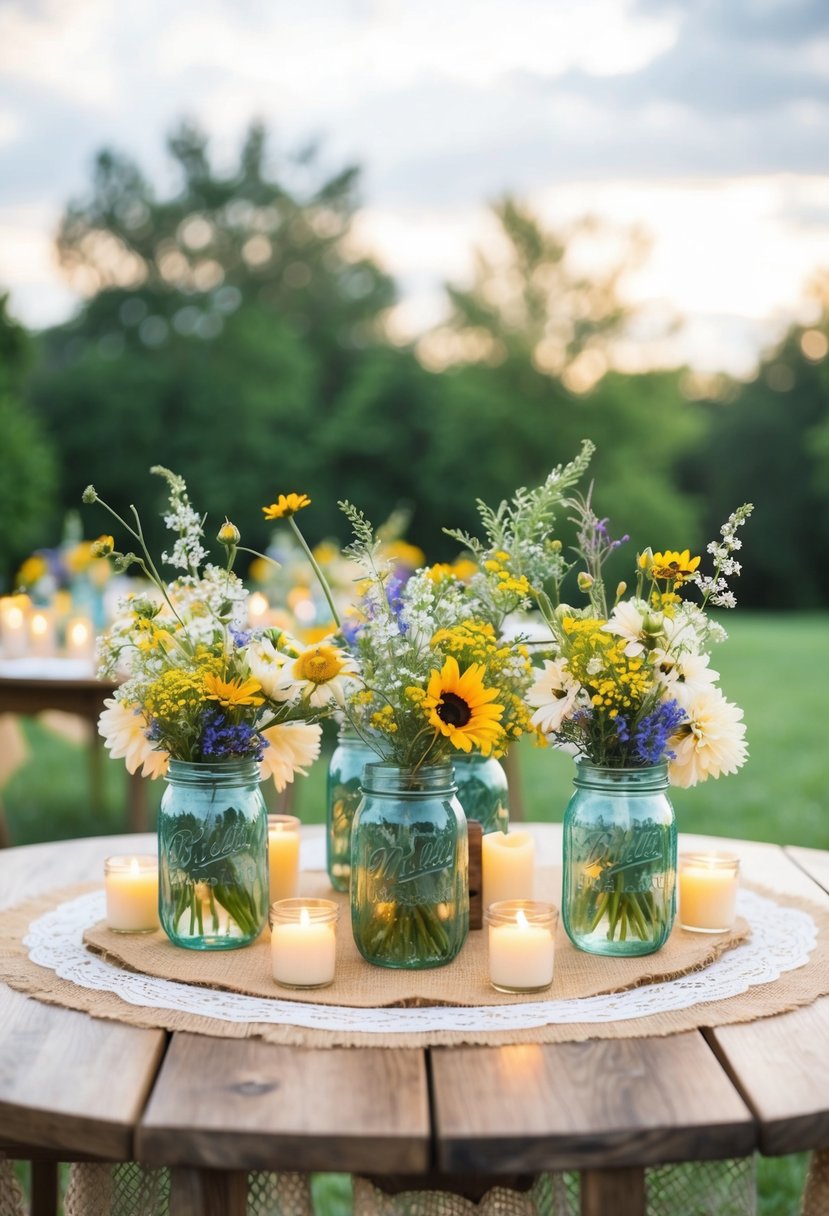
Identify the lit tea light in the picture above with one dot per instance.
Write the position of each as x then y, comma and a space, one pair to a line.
508, 866
131, 887
41, 634
303, 942
521, 944
708, 891
258, 609
283, 856
13, 612
79, 638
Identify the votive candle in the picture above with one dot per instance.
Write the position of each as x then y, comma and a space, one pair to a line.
508, 866
41, 633
13, 613
258, 610
131, 886
80, 639
303, 942
708, 891
283, 856
521, 944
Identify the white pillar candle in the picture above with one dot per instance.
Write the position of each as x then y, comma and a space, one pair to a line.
131, 886
13, 612
283, 856
708, 891
508, 866
80, 638
521, 945
41, 633
303, 942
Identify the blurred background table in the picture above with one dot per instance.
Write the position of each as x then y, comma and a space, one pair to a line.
34, 686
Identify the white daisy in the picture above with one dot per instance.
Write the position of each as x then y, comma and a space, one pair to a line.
627, 621
290, 746
690, 672
553, 695
320, 674
124, 731
267, 665
711, 743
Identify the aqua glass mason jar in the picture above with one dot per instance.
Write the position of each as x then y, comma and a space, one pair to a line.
482, 790
409, 868
213, 855
619, 859
343, 794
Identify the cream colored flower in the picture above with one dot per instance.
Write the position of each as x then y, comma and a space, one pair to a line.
553, 695
124, 731
268, 665
627, 621
290, 746
711, 743
690, 671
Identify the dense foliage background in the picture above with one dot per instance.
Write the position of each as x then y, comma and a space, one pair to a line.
232, 332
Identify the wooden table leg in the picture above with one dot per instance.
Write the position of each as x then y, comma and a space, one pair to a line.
621, 1192
44, 1188
208, 1192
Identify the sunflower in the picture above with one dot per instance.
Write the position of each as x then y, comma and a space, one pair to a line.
673, 565
232, 694
460, 707
286, 506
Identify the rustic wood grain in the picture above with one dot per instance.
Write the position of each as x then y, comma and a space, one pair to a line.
252, 1105
813, 862
781, 1065
71, 1082
208, 1193
621, 1192
609, 1102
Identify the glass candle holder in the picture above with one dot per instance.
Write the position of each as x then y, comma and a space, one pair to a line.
283, 856
708, 891
131, 888
522, 934
303, 942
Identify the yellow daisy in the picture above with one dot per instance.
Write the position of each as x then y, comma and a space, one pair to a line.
460, 707
232, 694
673, 565
286, 506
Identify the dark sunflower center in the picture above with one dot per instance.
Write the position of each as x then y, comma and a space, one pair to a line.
453, 710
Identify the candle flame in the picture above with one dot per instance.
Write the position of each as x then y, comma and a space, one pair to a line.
79, 633
304, 917
521, 920
257, 604
39, 623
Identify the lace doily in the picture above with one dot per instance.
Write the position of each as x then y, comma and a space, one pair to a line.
781, 940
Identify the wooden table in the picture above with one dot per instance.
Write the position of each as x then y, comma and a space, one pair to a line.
73, 1087
83, 697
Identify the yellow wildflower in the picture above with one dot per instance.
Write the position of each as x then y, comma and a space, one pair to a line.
286, 506
233, 694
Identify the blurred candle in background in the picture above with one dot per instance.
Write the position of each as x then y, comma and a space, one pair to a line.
283, 856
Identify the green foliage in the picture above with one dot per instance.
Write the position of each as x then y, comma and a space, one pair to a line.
27, 465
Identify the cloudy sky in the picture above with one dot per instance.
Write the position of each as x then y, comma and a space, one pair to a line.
705, 122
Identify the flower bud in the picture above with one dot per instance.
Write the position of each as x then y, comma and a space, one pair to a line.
585, 580
644, 560
229, 535
103, 546
621, 589
90, 494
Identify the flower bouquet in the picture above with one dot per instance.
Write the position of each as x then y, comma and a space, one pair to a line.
207, 703
630, 690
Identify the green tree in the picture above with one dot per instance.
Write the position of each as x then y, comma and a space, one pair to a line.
27, 467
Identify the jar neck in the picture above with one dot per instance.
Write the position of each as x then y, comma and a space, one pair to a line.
596, 777
395, 779
223, 772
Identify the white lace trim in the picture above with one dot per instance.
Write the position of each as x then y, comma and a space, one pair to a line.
781, 940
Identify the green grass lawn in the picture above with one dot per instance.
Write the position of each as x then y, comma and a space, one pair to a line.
775, 667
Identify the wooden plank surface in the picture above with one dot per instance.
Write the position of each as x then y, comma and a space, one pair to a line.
605, 1102
814, 862
70, 1082
244, 1104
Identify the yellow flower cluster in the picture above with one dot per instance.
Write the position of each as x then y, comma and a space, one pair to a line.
506, 581
384, 720
461, 569
598, 661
